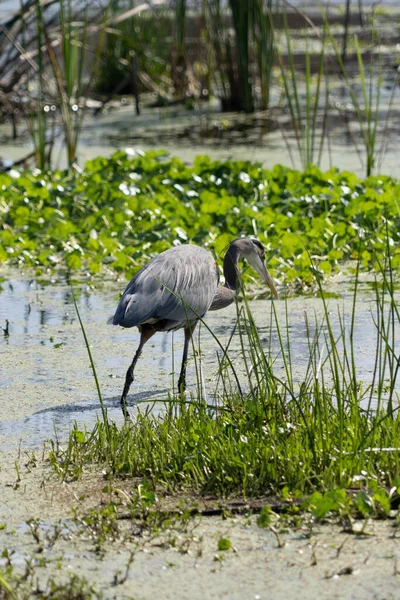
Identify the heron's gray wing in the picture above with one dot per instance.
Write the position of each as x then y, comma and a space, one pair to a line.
168, 287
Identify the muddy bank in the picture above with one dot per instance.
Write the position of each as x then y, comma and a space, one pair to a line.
183, 560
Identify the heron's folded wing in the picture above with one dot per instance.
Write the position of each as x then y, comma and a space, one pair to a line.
177, 285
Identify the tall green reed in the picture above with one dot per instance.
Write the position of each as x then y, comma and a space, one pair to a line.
240, 61
367, 105
36, 119
241, 23
71, 81
303, 98
265, 46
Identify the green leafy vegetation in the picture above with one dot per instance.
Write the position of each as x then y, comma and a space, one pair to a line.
224, 543
122, 210
16, 587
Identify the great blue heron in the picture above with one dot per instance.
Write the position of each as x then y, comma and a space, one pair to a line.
177, 287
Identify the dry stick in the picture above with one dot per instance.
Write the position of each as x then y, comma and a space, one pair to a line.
20, 49
26, 11
305, 17
234, 508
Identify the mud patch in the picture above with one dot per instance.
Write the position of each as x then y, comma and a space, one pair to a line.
184, 560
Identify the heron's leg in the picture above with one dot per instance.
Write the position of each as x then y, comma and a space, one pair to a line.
145, 334
182, 377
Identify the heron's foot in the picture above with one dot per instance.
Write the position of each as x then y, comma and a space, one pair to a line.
124, 407
181, 386
123, 400
128, 382
127, 416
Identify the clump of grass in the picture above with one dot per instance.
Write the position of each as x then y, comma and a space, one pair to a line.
72, 587
323, 431
366, 103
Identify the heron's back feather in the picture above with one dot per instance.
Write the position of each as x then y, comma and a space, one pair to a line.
168, 287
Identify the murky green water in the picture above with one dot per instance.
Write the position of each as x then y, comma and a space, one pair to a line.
46, 380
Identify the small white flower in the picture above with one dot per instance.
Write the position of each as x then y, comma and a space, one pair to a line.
124, 189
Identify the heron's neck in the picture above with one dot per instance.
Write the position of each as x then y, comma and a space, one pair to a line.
230, 267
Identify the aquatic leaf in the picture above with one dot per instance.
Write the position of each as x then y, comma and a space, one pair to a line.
264, 519
364, 503
224, 544
325, 267
381, 498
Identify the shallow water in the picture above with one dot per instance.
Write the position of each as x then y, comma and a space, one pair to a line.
46, 382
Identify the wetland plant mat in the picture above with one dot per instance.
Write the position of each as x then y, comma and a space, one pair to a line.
324, 430
288, 447
120, 211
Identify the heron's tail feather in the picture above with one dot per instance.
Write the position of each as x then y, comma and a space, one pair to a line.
110, 320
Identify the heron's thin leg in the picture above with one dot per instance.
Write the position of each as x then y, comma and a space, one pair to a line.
182, 377
145, 335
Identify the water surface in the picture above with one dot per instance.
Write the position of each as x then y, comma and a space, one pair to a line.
46, 381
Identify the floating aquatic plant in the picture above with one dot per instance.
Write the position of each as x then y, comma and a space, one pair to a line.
122, 210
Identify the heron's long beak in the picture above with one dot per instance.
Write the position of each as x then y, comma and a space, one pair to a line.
258, 264
268, 280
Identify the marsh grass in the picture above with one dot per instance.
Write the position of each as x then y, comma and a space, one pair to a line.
318, 431
304, 107
366, 100
72, 84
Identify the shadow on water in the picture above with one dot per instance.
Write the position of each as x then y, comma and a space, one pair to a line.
59, 420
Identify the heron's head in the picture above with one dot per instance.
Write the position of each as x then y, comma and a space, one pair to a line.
254, 252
